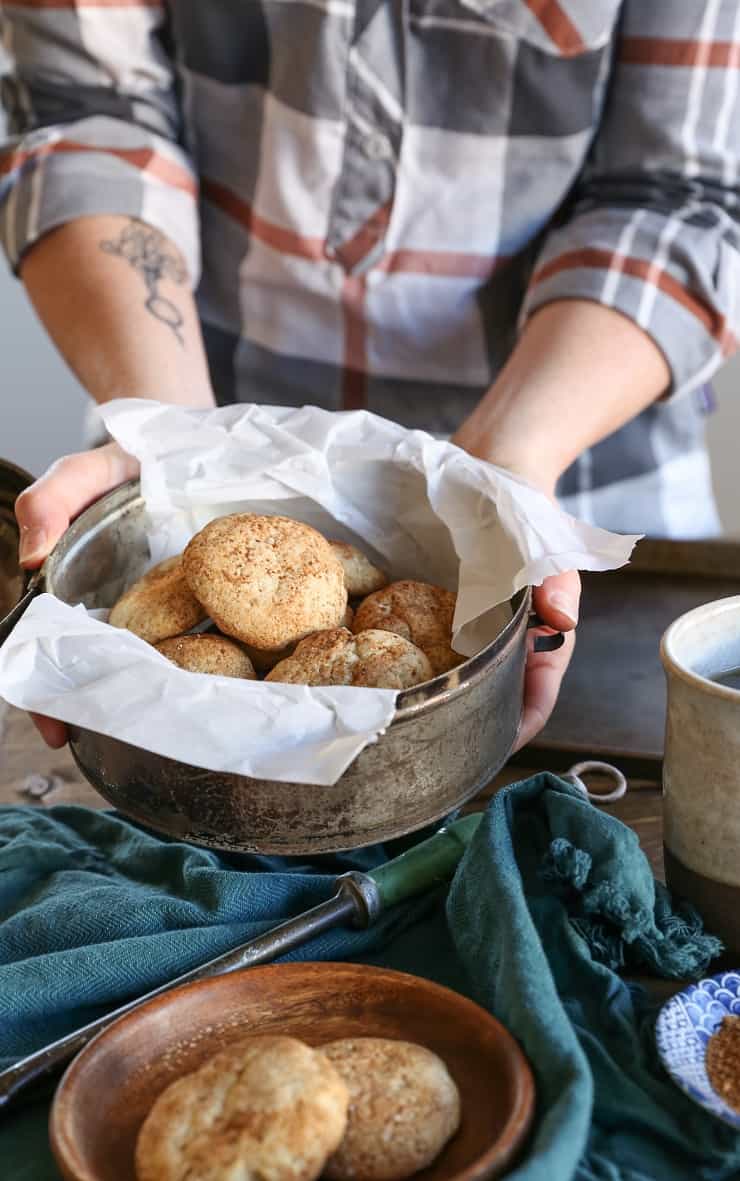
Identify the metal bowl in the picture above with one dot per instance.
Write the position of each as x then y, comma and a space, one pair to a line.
15, 593
448, 738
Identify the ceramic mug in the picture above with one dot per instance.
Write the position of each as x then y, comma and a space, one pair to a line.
701, 769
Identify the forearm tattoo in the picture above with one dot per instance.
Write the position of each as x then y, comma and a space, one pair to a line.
149, 253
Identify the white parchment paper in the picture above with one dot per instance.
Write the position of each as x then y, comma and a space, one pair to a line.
420, 507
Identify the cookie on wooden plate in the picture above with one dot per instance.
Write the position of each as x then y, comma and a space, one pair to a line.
265, 1107
403, 1108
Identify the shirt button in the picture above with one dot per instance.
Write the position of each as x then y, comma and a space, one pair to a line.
377, 147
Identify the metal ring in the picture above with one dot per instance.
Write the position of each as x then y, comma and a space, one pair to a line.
574, 776
549, 643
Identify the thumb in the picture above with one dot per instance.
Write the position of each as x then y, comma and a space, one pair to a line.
44, 510
557, 601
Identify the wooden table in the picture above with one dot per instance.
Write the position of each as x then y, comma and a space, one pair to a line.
30, 773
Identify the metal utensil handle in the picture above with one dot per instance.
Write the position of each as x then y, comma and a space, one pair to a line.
544, 643
34, 587
346, 904
427, 864
359, 898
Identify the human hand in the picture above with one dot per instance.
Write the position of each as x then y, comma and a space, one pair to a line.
578, 372
556, 602
45, 510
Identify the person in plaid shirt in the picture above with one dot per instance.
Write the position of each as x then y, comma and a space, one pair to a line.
510, 221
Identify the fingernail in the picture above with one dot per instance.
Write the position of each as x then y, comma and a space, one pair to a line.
32, 543
566, 605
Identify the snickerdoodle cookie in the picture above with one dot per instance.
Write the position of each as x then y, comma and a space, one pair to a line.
264, 661
377, 659
403, 1108
268, 581
208, 654
361, 577
419, 612
264, 1109
159, 605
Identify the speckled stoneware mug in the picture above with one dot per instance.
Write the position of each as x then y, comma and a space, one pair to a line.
701, 770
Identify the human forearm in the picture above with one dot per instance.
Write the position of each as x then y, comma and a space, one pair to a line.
115, 298
578, 373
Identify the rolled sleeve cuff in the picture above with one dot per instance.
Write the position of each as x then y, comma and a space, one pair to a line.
664, 292
46, 185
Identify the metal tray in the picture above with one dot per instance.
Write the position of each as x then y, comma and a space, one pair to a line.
612, 703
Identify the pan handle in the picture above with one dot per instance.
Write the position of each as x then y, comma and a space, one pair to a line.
34, 587
608, 771
545, 643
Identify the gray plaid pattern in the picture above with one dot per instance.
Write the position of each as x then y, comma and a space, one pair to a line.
382, 191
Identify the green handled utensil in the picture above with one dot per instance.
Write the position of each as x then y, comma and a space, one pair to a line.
359, 899
420, 868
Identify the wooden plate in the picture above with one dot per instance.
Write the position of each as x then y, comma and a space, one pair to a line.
107, 1091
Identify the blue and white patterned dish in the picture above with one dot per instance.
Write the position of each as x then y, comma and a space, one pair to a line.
684, 1026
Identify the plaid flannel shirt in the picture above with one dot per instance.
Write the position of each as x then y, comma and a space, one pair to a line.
382, 191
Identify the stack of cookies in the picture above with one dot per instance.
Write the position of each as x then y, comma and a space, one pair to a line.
272, 1108
285, 603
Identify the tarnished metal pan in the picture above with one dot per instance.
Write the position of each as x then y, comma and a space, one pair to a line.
16, 589
448, 737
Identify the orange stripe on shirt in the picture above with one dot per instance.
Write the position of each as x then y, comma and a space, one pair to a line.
663, 51
641, 268
448, 264
558, 26
145, 159
279, 238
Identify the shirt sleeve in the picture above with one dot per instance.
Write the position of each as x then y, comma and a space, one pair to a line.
653, 227
93, 123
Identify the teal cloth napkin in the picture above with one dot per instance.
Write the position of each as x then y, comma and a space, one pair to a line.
551, 899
